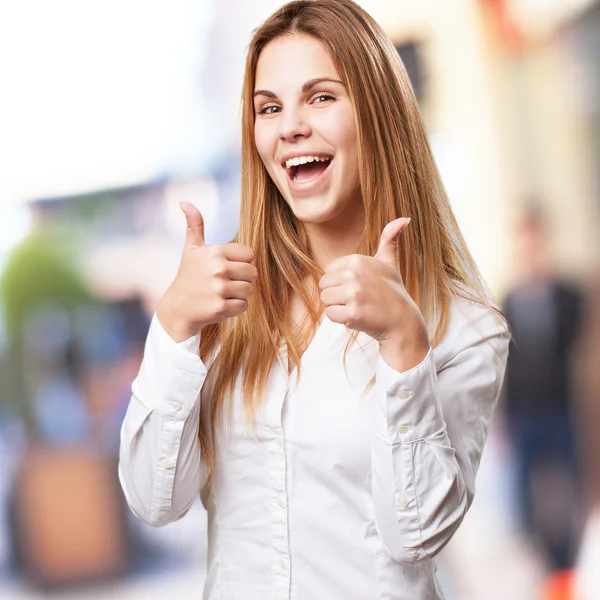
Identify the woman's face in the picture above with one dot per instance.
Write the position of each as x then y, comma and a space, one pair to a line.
305, 132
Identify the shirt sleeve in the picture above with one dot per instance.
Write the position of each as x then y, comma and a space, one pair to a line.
430, 429
160, 466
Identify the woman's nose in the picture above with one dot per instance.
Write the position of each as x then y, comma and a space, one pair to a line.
293, 126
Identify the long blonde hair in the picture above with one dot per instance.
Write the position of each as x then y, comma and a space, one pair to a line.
398, 177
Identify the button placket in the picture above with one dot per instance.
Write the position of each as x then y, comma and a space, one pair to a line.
278, 396
279, 513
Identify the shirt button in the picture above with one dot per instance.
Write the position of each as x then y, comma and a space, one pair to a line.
167, 463
403, 429
281, 502
176, 405
404, 395
282, 564
402, 503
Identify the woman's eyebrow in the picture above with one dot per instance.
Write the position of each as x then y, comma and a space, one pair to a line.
267, 93
311, 83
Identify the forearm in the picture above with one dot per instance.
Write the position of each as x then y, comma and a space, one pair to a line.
418, 486
160, 467
431, 425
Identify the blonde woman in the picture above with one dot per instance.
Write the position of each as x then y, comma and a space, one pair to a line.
327, 380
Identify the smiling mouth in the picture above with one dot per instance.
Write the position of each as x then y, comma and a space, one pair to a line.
309, 171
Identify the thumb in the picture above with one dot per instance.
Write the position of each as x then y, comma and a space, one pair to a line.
195, 224
388, 243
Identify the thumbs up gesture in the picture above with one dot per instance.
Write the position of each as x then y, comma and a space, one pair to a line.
367, 294
212, 283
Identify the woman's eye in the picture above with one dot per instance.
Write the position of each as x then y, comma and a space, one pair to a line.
323, 97
269, 110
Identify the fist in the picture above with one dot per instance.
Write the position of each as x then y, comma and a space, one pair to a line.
212, 283
367, 293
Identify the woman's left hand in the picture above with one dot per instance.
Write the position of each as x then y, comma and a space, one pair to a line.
367, 294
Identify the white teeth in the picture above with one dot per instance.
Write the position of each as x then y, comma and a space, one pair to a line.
301, 160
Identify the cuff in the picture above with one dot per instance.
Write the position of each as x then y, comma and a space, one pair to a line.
408, 406
172, 374
190, 346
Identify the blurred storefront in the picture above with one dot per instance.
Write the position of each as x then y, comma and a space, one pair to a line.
509, 94
551, 59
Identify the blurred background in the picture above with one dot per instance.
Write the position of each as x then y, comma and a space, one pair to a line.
113, 112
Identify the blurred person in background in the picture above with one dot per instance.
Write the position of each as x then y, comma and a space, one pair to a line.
544, 314
327, 380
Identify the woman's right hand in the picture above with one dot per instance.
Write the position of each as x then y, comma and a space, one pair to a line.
212, 284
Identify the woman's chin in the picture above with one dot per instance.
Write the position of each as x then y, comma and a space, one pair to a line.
313, 217
312, 210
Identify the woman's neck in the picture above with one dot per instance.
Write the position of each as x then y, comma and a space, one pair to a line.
328, 242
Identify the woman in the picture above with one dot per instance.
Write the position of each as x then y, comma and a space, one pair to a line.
349, 361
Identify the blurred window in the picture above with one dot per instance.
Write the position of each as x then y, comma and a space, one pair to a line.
410, 54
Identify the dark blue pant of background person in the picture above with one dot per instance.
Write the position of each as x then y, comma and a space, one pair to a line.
548, 483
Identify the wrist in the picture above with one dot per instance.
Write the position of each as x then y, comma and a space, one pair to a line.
407, 346
176, 326
403, 359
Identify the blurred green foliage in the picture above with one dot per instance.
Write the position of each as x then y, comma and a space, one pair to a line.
42, 269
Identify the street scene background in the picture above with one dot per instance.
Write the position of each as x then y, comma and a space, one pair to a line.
113, 112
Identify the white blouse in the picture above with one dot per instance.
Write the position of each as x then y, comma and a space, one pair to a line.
340, 491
